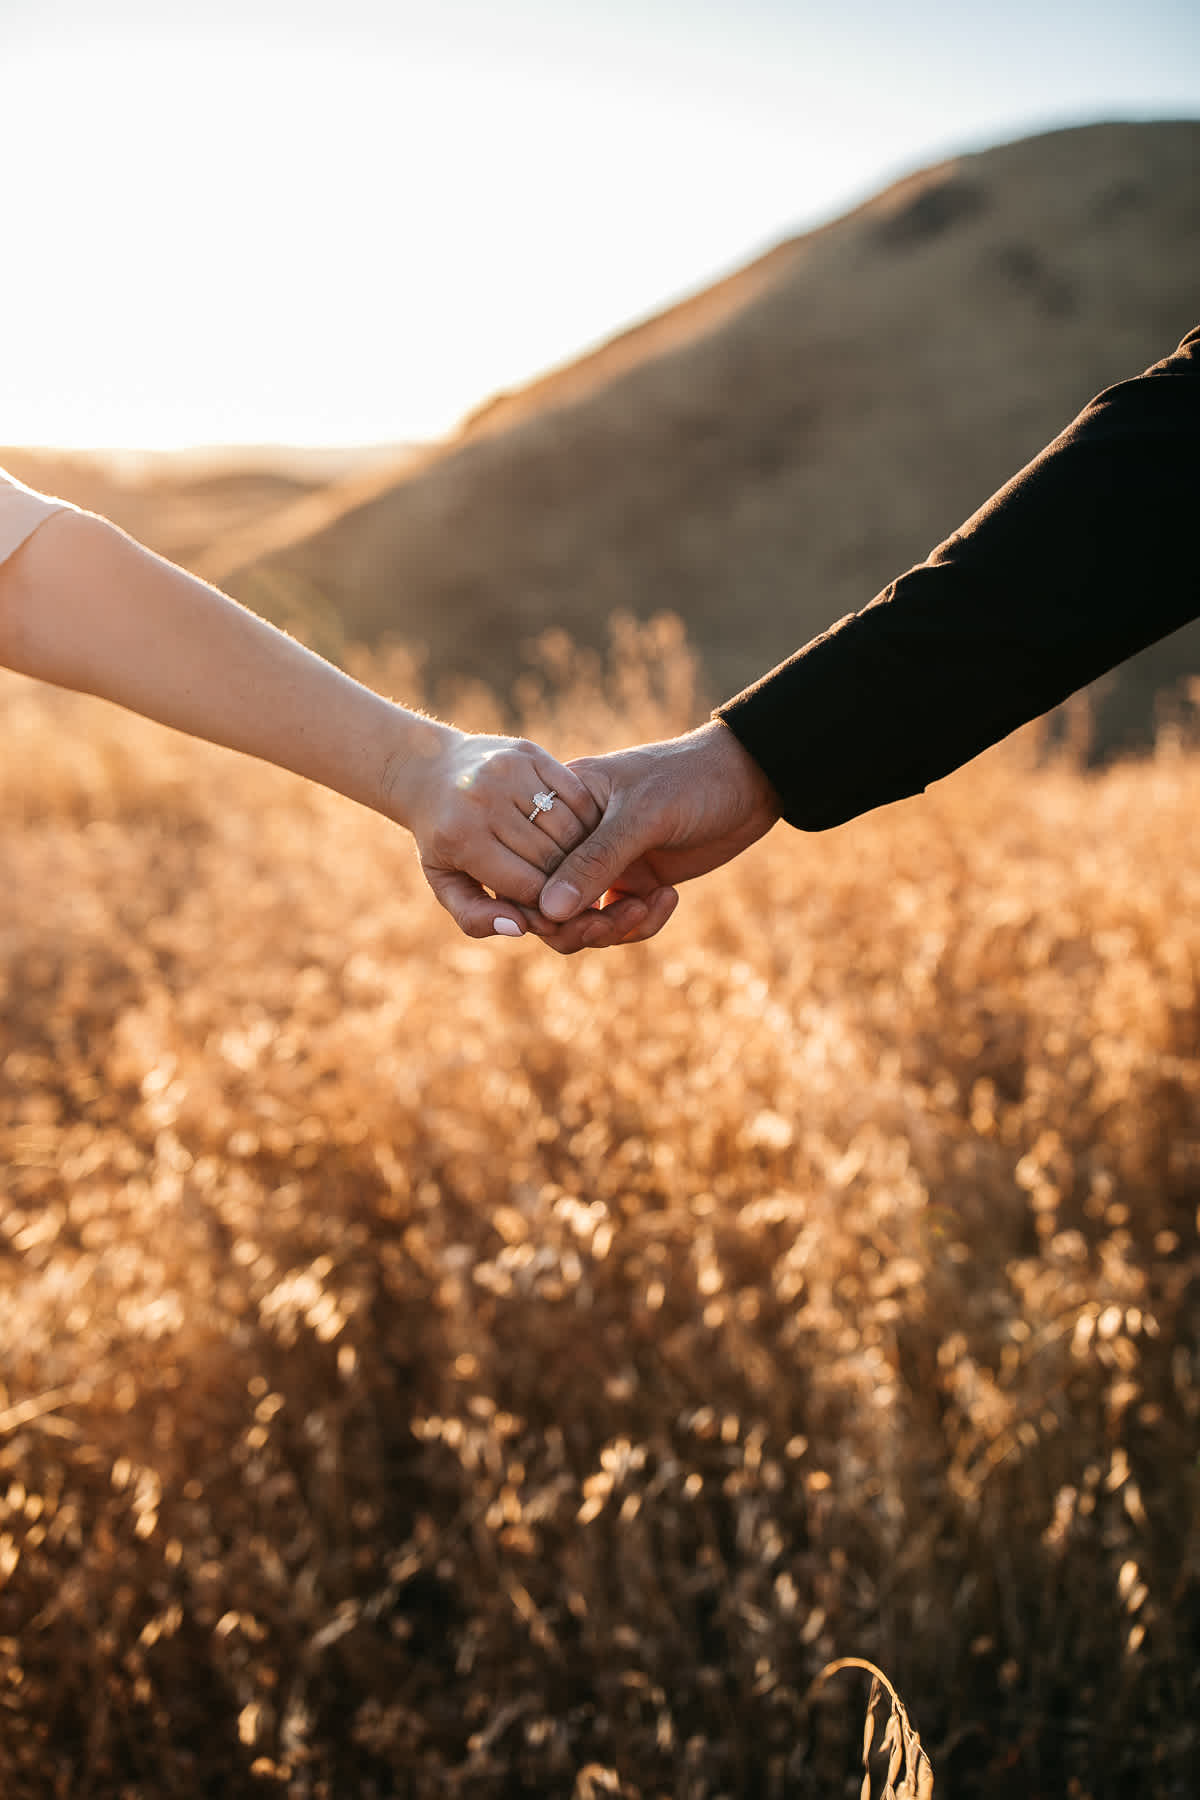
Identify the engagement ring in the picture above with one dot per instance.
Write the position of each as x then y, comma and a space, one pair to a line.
542, 803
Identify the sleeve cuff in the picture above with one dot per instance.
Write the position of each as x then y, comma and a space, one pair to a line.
22, 511
818, 726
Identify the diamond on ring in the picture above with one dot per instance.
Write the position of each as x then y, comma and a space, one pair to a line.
542, 803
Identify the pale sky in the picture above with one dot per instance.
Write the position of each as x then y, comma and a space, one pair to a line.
351, 222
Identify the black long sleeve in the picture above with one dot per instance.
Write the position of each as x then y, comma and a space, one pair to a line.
1086, 556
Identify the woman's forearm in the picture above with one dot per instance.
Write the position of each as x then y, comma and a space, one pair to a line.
85, 607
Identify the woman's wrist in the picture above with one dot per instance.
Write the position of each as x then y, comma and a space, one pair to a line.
415, 746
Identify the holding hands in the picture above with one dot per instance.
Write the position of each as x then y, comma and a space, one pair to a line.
502, 814
671, 811
1084, 557
510, 839
613, 833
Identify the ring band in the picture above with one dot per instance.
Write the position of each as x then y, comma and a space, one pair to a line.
542, 804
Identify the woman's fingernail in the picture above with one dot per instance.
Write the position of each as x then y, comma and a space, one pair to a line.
507, 928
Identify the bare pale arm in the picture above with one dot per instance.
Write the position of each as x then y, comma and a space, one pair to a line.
86, 607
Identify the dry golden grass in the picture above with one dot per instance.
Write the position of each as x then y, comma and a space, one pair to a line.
433, 1368
892, 1749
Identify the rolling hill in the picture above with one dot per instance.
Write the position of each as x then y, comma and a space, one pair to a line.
765, 456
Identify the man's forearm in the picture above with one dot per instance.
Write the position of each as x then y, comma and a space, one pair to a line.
1082, 559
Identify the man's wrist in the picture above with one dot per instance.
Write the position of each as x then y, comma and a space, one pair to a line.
733, 762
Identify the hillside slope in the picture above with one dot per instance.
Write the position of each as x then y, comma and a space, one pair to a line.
764, 457
184, 503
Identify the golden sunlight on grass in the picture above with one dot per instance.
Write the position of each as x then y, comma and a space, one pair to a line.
433, 1368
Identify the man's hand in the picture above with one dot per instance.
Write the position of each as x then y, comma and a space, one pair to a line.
671, 810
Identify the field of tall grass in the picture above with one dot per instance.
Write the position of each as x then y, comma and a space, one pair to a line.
432, 1368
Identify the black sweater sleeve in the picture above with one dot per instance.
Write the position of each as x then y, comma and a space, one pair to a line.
1089, 554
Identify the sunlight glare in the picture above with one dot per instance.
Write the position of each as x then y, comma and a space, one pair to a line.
317, 247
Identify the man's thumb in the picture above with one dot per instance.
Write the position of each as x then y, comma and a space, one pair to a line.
588, 872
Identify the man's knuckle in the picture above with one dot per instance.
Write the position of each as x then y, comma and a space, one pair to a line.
591, 860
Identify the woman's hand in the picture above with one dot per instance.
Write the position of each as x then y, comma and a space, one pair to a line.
86, 607
470, 802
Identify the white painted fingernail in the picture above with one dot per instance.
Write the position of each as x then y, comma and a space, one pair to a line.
507, 928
